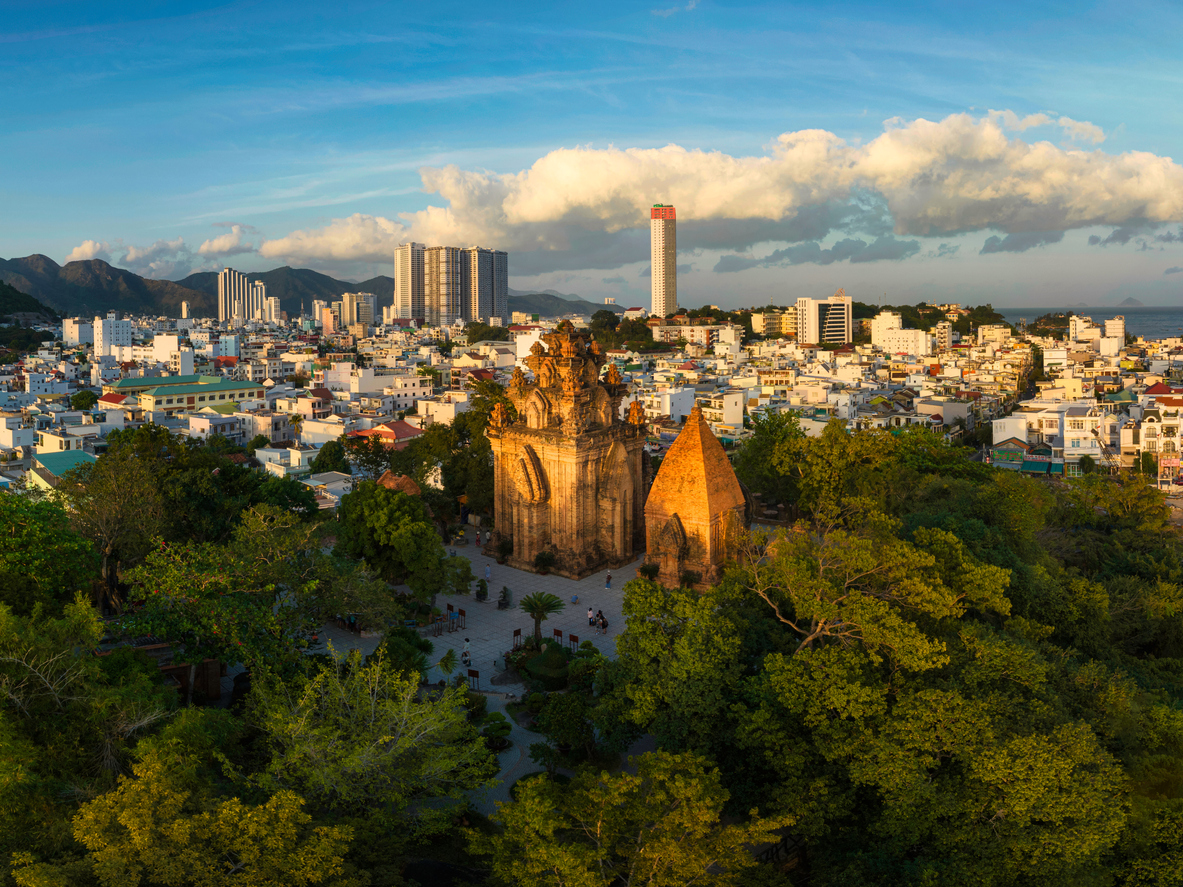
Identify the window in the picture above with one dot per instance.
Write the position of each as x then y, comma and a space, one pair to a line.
1076, 442
1076, 424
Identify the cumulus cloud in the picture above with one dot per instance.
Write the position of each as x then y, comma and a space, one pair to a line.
90, 249
1174, 270
162, 259
357, 238
584, 207
232, 243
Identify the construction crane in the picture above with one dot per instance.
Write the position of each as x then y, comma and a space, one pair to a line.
1111, 458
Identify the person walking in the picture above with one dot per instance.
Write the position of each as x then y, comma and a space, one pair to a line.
608, 581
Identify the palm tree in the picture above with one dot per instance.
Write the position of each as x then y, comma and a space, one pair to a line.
539, 605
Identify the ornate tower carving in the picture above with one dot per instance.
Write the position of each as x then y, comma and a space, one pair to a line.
568, 472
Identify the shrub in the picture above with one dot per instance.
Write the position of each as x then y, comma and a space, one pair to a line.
649, 571
504, 547
690, 578
534, 702
549, 668
544, 560
496, 726
476, 703
482, 590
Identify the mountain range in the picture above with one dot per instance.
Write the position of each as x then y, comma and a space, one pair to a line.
93, 287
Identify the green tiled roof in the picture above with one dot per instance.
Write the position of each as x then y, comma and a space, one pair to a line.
203, 388
58, 464
163, 380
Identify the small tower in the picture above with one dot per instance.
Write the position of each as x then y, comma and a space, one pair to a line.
695, 508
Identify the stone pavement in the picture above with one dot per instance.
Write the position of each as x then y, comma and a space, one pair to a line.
490, 631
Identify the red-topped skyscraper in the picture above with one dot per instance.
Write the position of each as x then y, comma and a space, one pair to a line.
664, 246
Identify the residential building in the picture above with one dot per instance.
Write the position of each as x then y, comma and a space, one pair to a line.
442, 286
408, 281
111, 333
205, 425
881, 323
943, 332
173, 399
276, 427
185, 310
663, 251
76, 331
825, 320
1115, 328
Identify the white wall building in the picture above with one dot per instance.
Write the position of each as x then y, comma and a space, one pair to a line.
110, 333
825, 320
76, 331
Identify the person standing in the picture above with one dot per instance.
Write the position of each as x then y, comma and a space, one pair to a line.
466, 655
488, 572
601, 623
591, 618
608, 581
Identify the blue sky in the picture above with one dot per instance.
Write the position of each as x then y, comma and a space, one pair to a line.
172, 137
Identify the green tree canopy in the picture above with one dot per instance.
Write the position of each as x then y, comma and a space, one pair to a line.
43, 560
330, 457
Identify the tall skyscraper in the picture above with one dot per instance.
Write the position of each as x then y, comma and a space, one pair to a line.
318, 310
408, 281
663, 243
256, 308
476, 269
184, 310
233, 293
442, 284
501, 285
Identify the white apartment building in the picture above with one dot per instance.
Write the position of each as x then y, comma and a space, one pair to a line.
943, 332
407, 390
1082, 329
825, 320
1115, 328
442, 285
239, 298
109, 333
899, 341
76, 331
408, 281
663, 251
204, 425
443, 409
881, 323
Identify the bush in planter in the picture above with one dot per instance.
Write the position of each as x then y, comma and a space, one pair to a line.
504, 549
690, 578
476, 703
649, 571
482, 590
496, 730
543, 561
534, 702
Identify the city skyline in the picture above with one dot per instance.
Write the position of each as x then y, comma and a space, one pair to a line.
1021, 157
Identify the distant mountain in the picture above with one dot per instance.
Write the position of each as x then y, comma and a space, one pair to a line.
549, 304
14, 303
93, 287
1130, 303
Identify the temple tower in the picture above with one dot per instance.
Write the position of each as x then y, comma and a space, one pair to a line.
695, 509
568, 472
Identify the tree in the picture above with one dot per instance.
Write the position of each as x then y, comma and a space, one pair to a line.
84, 400
259, 440
393, 533
116, 504
356, 740
42, 559
538, 606
157, 829
660, 828
1087, 464
604, 320
482, 332
289, 494
775, 437
330, 457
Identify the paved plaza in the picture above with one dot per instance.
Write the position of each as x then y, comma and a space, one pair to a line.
490, 631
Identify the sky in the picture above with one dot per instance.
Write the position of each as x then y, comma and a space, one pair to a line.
1012, 153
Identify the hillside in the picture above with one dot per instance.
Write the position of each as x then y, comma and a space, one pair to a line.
94, 287
14, 302
551, 305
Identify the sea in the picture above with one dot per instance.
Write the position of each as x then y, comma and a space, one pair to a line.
1151, 322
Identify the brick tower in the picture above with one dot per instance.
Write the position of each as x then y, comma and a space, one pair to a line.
695, 508
568, 473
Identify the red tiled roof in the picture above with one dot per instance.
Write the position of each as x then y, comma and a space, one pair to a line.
113, 399
396, 434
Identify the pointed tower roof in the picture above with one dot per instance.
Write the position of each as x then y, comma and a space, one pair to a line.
696, 479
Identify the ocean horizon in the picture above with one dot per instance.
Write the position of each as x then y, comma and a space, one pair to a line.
1151, 321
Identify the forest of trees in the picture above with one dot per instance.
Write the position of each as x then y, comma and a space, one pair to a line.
939, 673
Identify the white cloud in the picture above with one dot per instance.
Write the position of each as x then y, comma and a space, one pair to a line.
357, 238
1082, 130
232, 243
932, 177
164, 259
90, 249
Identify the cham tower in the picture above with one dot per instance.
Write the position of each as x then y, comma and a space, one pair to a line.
695, 508
568, 473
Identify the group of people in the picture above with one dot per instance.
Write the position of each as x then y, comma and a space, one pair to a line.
596, 620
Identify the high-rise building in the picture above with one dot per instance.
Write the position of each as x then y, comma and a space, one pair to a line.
882, 323
184, 310
233, 294
663, 244
476, 270
943, 332
825, 320
1115, 328
442, 285
255, 308
501, 285
408, 281
318, 310
273, 313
